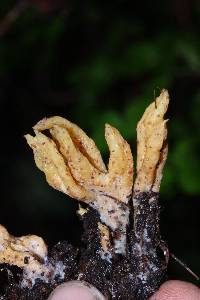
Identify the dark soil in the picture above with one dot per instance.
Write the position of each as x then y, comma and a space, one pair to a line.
134, 276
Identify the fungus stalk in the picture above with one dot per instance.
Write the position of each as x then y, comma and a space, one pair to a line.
151, 157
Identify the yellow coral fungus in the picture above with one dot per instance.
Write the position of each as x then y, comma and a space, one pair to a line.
151, 137
73, 164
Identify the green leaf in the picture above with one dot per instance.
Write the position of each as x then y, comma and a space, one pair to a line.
186, 162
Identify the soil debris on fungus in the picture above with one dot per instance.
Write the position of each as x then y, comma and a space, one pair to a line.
120, 254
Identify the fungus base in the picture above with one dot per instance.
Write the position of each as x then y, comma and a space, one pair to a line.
134, 276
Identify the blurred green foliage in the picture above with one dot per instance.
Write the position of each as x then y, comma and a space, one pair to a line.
113, 66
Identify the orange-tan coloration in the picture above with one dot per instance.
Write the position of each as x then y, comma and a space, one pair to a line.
27, 252
81, 160
50, 161
73, 164
159, 170
70, 170
83, 142
120, 167
151, 149
105, 238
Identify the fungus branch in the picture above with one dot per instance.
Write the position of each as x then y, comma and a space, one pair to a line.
151, 156
151, 145
73, 164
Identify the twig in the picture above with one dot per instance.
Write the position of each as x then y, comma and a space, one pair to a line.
184, 266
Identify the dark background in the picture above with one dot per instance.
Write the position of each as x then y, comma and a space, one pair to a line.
95, 62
